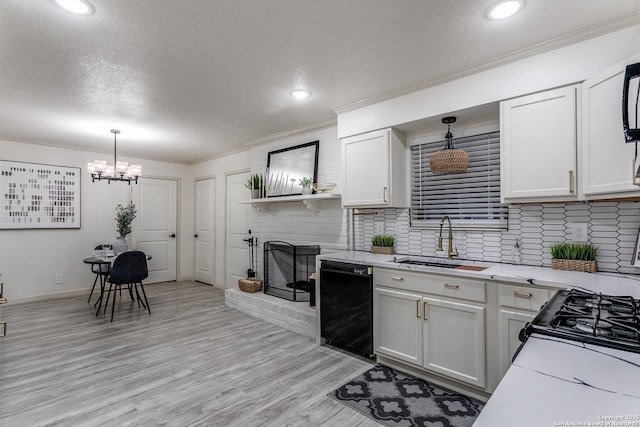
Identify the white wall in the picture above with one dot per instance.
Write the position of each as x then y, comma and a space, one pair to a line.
30, 259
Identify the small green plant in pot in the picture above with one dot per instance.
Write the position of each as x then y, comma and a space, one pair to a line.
574, 257
254, 183
382, 244
306, 185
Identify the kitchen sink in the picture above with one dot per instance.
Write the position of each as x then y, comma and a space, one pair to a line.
428, 263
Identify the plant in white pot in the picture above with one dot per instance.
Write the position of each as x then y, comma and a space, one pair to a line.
124, 217
306, 185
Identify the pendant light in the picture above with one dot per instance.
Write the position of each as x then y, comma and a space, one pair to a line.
119, 171
450, 160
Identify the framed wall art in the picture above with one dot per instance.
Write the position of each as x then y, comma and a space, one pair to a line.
34, 195
286, 167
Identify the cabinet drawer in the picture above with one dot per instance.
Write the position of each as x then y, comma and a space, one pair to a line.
522, 297
436, 284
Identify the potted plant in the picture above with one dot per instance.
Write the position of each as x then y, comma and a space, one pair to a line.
381, 244
574, 257
254, 183
124, 217
306, 185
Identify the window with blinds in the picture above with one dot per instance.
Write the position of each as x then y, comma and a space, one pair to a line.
471, 199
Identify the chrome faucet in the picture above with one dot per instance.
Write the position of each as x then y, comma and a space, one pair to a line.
450, 252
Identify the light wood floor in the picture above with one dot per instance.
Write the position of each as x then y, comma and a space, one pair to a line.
193, 361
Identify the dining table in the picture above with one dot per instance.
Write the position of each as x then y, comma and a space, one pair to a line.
100, 261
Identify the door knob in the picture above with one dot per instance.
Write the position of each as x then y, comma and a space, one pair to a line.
172, 235
195, 235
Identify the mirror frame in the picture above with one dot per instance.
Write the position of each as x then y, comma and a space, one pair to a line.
288, 161
632, 72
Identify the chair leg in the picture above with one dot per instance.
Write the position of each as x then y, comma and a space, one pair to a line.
135, 286
103, 284
106, 304
113, 304
130, 291
94, 286
145, 297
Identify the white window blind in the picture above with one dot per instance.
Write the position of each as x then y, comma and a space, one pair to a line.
471, 199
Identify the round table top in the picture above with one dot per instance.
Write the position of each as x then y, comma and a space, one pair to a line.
107, 260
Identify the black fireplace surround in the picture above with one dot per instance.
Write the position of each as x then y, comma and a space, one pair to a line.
288, 269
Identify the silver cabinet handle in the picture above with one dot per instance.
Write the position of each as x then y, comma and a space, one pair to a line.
384, 197
418, 308
397, 278
570, 181
424, 310
522, 295
448, 286
4, 329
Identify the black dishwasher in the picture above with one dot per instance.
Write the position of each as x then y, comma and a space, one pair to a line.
346, 306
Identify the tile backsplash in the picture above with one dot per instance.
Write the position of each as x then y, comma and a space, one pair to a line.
611, 226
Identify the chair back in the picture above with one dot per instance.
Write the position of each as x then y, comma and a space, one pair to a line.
100, 268
129, 267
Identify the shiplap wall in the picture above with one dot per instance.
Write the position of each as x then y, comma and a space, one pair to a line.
612, 227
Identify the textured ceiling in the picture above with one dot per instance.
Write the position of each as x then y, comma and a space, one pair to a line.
188, 80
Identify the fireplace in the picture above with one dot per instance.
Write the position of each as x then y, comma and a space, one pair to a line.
287, 270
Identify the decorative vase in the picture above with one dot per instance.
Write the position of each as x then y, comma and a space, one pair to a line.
120, 245
255, 194
306, 189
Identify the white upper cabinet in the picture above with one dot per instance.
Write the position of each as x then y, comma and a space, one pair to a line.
538, 146
606, 157
375, 170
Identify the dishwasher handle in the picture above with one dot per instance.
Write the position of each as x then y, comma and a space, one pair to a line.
343, 268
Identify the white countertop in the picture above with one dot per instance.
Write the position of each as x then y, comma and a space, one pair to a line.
556, 382
607, 283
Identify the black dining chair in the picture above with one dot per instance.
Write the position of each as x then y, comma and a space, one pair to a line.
129, 268
101, 271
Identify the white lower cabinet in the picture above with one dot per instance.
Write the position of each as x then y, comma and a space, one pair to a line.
454, 340
511, 322
442, 335
398, 325
517, 305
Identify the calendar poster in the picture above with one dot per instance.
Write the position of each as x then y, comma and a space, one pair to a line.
33, 195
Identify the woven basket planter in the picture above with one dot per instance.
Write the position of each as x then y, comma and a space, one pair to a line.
573, 265
385, 250
250, 284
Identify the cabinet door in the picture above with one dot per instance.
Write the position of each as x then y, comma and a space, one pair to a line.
454, 340
606, 157
366, 169
538, 146
511, 322
397, 325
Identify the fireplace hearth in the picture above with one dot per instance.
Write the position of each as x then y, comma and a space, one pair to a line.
287, 270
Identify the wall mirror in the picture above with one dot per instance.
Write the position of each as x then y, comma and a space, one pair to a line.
286, 167
630, 95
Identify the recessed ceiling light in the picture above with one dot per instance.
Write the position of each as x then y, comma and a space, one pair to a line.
300, 93
505, 9
78, 7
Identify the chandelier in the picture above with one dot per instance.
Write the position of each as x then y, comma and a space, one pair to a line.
119, 171
449, 160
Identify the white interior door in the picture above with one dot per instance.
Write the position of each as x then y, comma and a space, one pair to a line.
204, 235
237, 250
156, 200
